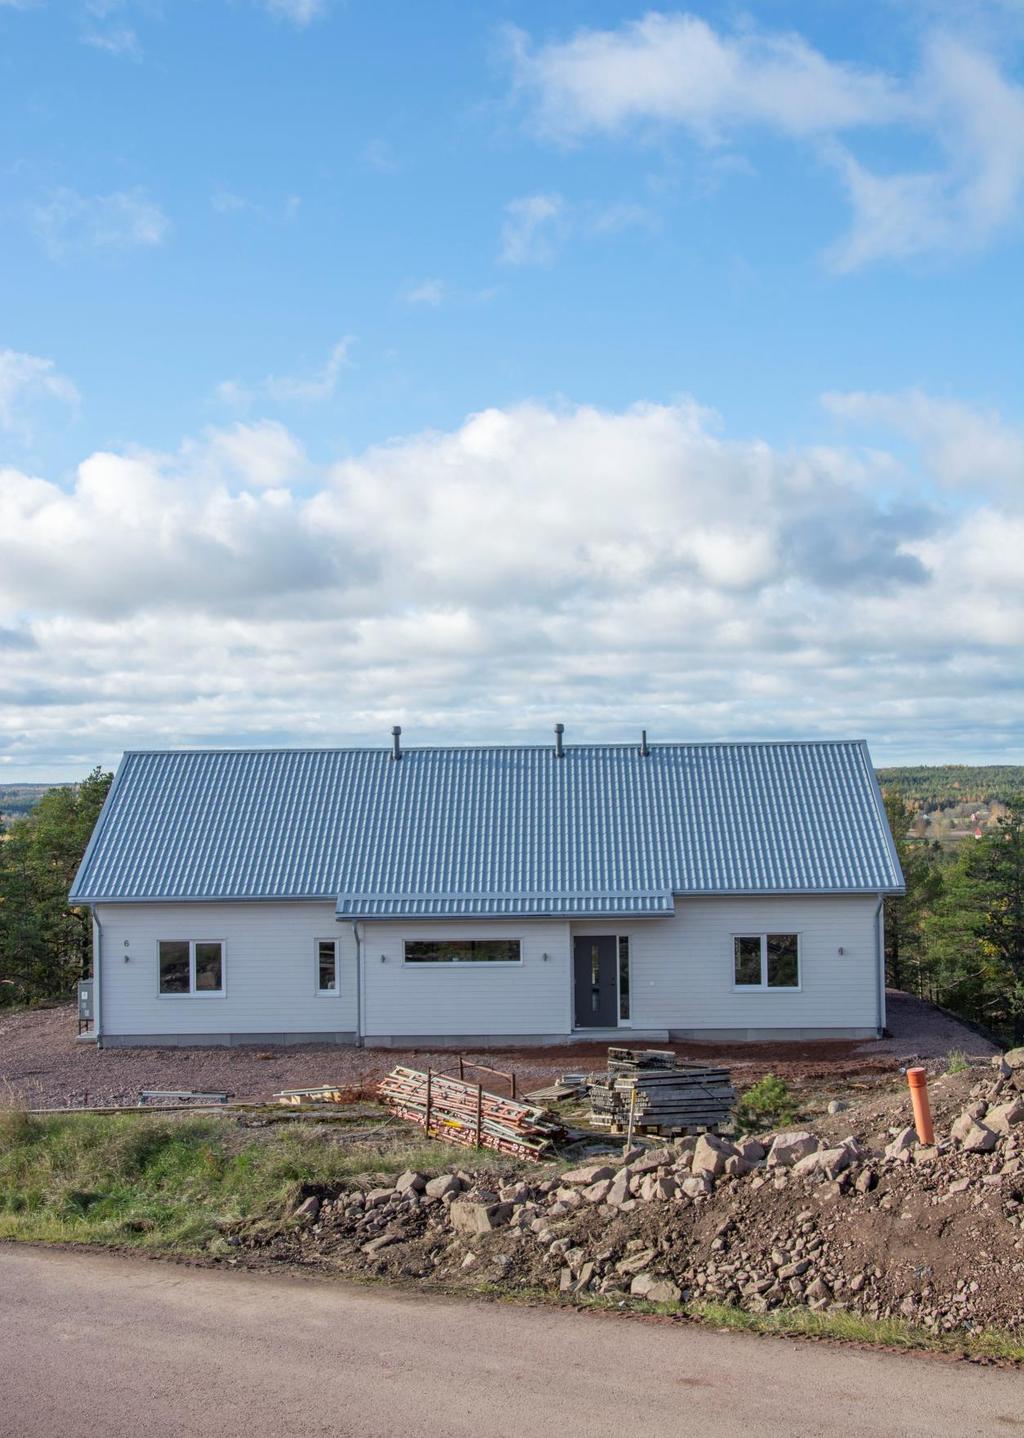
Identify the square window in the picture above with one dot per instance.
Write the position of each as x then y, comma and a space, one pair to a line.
747, 959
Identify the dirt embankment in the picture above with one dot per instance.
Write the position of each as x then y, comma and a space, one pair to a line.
930, 1235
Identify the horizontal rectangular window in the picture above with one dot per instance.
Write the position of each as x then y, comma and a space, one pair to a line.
327, 966
766, 961
190, 966
462, 951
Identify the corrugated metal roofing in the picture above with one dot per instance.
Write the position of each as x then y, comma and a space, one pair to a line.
491, 831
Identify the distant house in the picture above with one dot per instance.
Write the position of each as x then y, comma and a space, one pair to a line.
490, 895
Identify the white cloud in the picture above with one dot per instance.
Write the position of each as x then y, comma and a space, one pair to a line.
611, 568
125, 219
25, 380
677, 70
533, 230
309, 388
426, 292
299, 12
119, 40
977, 117
963, 447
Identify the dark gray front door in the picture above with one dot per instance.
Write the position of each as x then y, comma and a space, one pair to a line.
596, 971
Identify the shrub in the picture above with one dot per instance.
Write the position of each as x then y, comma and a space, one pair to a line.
766, 1104
956, 1061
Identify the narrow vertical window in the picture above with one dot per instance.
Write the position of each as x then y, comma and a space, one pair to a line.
327, 966
623, 976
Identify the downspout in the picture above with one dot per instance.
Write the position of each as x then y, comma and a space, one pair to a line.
97, 986
880, 966
359, 984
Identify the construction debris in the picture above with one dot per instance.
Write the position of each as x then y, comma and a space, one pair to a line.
464, 1113
179, 1096
929, 1234
650, 1088
324, 1093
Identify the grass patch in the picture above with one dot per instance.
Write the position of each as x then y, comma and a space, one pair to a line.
957, 1062
163, 1182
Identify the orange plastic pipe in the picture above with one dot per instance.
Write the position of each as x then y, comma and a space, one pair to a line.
917, 1079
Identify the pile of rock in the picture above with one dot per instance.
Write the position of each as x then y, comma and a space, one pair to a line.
930, 1233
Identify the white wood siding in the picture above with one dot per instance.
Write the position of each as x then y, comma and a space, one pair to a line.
532, 997
681, 969
270, 973
681, 972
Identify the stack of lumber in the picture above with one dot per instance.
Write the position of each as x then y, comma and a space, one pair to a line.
323, 1093
464, 1113
665, 1097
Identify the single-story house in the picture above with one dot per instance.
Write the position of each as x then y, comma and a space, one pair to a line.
486, 895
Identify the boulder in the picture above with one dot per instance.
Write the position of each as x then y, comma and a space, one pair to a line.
308, 1210
979, 1139
789, 1148
618, 1191
710, 1154
442, 1185
471, 1218
750, 1149
590, 1173
1014, 1060
410, 1182
597, 1192
829, 1162
636, 1262
902, 1144
697, 1185
655, 1290
1000, 1120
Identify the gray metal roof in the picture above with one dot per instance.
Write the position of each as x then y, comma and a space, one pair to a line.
492, 831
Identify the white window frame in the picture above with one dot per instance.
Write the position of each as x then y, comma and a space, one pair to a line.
193, 992
462, 965
764, 987
336, 991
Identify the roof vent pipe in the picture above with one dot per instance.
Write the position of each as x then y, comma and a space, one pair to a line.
396, 741
644, 749
559, 731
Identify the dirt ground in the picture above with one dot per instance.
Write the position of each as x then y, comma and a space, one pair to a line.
42, 1065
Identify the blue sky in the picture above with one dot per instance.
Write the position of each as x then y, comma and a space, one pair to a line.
474, 366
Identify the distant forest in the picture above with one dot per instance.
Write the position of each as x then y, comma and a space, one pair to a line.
928, 786
17, 799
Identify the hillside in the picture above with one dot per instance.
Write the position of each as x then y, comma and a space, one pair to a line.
17, 799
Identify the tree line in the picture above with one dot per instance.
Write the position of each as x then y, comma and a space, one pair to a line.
46, 946
957, 936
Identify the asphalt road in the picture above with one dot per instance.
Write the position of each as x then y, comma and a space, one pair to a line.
91, 1344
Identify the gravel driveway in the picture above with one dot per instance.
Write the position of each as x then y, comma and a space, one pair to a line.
42, 1065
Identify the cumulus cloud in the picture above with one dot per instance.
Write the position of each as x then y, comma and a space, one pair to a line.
611, 568
667, 70
533, 230
123, 220
25, 381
